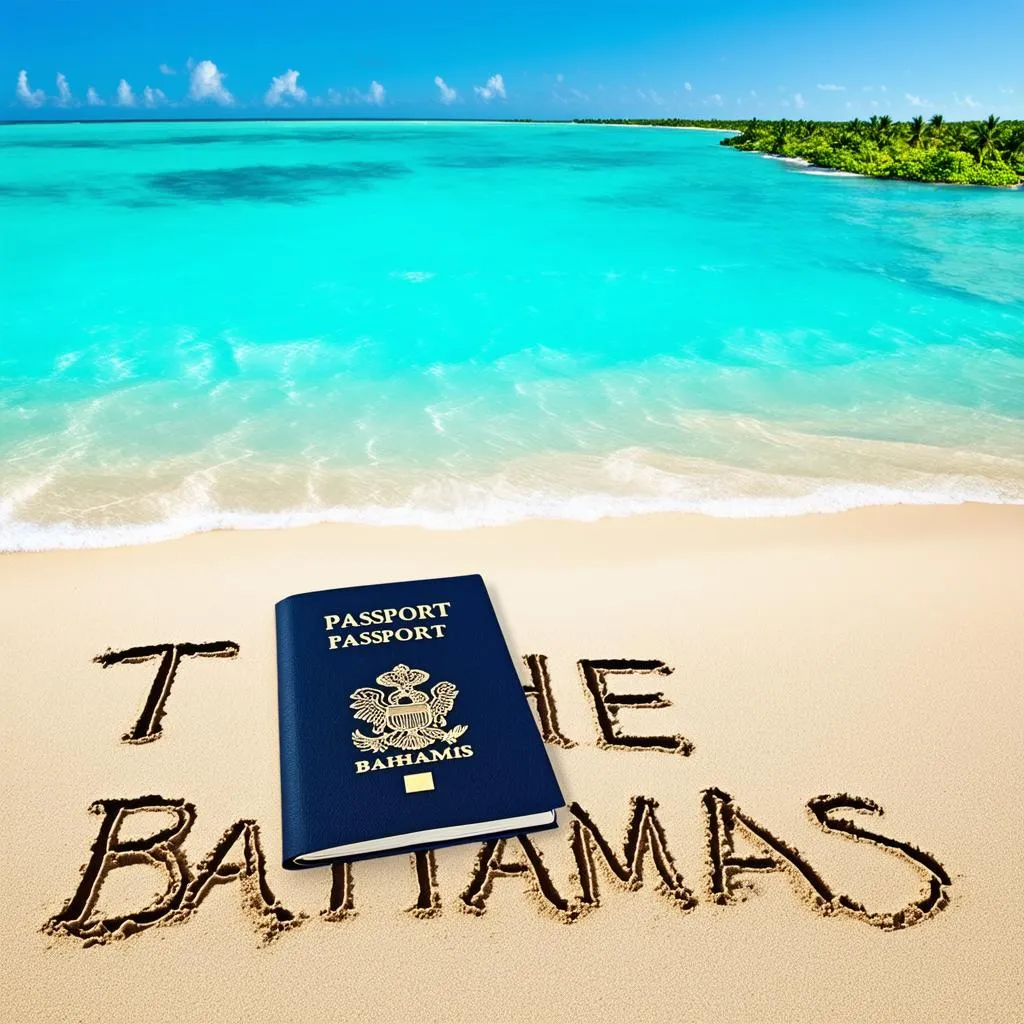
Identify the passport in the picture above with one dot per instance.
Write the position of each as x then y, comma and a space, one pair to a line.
403, 723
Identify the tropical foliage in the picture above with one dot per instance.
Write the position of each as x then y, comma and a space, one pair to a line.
989, 152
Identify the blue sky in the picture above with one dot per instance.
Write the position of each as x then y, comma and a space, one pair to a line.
564, 59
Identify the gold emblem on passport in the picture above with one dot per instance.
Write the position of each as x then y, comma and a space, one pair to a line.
405, 718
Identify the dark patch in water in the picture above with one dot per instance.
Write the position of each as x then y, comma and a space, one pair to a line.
58, 193
565, 157
58, 144
288, 184
141, 204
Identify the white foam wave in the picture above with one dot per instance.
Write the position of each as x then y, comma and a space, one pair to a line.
826, 172
499, 511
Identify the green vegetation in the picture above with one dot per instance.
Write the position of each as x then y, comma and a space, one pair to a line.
989, 152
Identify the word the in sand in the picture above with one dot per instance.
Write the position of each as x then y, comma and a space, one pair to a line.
238, 856
386, 616
148, 727
606, 704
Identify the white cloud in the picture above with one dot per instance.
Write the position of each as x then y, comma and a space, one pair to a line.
153, 97
915, 101
26, 94
207, 83
714, 98
495, 87
830, 87
688, 86
376, 95
64, 97
798, 101
882, 88
166, 69
125, 96
650, 97
753, 95
284, 88
571, 95
92, 97
1006, 92
966, 101
559, 77
448, 94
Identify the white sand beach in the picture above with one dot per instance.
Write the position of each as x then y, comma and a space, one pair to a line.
875, 657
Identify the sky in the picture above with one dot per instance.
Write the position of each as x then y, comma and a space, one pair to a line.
74, 59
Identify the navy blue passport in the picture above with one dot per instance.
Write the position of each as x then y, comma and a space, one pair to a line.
404, 725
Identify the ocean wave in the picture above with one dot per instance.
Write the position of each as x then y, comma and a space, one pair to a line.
456, 451
449, 504
828, 172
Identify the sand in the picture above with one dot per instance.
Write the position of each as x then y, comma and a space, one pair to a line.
876, 653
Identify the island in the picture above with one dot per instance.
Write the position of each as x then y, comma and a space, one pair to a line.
988, 152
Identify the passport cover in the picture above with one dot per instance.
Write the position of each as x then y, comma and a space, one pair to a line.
379, 686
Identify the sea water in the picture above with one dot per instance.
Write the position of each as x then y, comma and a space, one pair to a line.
249, 324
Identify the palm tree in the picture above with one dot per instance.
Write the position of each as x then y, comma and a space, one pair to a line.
986, 134
873, 127
917, 130
954, 135
849, 133
936, 128
1013, 149
779, 139
884, 126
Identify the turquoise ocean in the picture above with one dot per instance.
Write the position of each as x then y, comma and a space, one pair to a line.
266, 323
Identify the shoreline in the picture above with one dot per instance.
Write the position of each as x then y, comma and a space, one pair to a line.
880, 522
40, 539
809, 166
820, 170
644, 531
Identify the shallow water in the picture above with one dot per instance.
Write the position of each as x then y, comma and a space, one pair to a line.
240, 324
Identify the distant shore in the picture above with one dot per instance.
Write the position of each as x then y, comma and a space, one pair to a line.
989, 152
671, 127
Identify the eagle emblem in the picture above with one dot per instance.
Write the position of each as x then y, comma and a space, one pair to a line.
406, 717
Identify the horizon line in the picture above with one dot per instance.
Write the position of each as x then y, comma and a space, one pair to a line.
413, 120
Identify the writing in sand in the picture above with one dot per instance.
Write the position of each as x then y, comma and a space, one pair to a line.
600, 853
